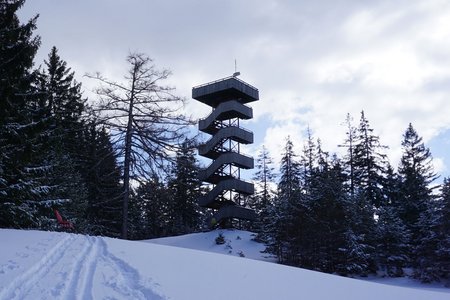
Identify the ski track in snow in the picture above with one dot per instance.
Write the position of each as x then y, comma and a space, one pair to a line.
75, 267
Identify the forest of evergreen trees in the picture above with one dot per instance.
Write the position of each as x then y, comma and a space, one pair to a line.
124, 166
356, 214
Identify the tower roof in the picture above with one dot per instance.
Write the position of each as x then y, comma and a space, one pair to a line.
229, 88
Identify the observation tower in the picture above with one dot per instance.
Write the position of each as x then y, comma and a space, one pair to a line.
227, 98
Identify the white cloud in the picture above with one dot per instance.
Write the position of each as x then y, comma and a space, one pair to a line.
313, 61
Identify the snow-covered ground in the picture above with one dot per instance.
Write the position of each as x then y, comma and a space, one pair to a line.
237, 243
52, 265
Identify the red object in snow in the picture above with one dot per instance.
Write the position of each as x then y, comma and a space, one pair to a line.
61, 222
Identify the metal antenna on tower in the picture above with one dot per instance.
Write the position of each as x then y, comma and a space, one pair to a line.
236, 73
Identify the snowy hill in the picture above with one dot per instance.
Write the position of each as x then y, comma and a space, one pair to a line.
50, 265
236, 243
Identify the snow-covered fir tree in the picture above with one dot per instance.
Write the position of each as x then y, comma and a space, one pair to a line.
150, 209
369, 163
262, 201
415, 174
442, 255
392, 242
60, 100
21, 194
348, 159
428, 239
283, 228
102, 176
324, 217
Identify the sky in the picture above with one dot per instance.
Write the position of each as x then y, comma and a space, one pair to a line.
312, 61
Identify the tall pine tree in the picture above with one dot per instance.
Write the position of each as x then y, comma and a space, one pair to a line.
415, 173
22, 197
103, 210
283, 227
262, 200
369, 163
60, 100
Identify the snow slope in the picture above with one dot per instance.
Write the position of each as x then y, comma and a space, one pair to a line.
50, 265
237, 243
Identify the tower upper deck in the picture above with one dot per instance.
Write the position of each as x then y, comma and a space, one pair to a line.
229, 88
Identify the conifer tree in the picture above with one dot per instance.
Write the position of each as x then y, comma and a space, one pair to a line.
264, 178
425, 247
415, 173
102, 177
325, 221
393, 241
289, 185
308, 160
391, 187
21, 195
442, 257
283, 229
185, 188
61, 94
60, 100
369, 164
432, 252
349, 161
263, 199
150, 209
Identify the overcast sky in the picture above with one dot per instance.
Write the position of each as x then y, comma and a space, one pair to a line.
312, 61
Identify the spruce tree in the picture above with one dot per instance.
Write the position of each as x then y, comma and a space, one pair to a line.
102, 177
428, 240
150, 210
289, 184
283, 227
60, 100
61, 94
264, 179
348, 160
325, 221
22, 198
432, 252
262, 200
369, 163
308, 160
442, 257
393, 241
391, 187
185, 187
415, 173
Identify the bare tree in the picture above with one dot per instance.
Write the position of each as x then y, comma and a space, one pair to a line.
144, 120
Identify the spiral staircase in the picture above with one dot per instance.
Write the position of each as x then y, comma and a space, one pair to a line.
227, 98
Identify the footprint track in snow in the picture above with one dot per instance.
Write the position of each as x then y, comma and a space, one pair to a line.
123, 280
22, 284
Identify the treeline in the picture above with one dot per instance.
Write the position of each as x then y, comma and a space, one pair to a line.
58, 152
356, 215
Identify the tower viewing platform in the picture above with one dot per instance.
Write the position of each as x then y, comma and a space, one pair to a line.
227, 97
213, 93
